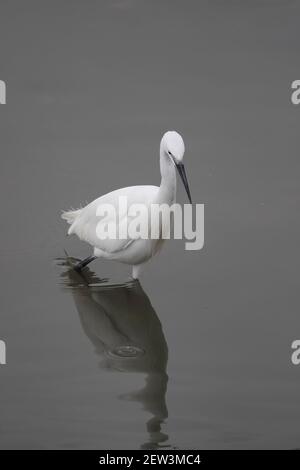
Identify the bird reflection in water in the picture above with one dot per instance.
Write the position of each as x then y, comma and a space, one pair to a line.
127, 334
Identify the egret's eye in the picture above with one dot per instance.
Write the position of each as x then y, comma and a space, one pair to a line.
170, 153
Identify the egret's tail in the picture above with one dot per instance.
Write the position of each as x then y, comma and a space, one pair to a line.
70, 216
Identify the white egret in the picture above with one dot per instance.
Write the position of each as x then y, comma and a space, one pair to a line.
132, 251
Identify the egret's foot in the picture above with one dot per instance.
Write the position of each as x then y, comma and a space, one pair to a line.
69, 261
81, 264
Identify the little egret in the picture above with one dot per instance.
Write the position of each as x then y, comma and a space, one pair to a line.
132, 251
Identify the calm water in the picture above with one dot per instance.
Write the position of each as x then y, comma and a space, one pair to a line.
198, 354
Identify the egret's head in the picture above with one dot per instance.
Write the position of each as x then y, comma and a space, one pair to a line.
172, 147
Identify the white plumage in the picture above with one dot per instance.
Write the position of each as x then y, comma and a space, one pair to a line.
134, 252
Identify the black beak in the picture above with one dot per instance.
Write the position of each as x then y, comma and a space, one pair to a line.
181, 171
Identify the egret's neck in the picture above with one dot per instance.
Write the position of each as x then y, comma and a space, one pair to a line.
167, 190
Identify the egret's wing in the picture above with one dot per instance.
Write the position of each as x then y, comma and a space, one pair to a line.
88, 224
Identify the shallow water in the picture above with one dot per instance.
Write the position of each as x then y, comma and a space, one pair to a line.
199, 353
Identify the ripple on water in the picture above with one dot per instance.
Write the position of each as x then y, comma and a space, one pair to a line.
127, 351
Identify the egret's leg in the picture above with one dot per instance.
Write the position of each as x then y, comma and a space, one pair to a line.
136, 270
84, 262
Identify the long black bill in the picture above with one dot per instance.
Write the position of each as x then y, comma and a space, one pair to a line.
182, 173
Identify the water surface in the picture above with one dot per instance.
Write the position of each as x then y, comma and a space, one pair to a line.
198, 353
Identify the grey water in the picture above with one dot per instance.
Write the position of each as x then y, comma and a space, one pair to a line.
198, 353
